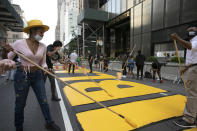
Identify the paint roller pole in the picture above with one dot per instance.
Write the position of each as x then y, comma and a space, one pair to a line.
180, 66
102, 105
118, 75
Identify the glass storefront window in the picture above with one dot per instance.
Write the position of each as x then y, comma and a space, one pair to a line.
160, 50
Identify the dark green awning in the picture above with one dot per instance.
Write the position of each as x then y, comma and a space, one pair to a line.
9, 17
92, 15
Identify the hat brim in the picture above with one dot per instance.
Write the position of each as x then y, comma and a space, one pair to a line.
26, 29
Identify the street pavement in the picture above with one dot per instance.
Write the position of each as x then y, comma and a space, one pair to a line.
34, 120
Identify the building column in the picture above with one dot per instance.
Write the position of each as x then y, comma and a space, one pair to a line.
103, 47
83, 39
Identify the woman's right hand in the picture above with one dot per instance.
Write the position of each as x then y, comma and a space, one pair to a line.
51, 70
6, 64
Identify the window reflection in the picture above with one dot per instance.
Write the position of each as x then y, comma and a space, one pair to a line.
134, 2
118, 5
103, 7
109, 6
165, 48
124, 5
129, 3
137, 19
113, 7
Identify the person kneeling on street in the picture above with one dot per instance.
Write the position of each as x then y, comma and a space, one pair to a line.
156, 68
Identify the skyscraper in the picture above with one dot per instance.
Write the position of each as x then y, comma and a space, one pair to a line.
60, 27
144, 23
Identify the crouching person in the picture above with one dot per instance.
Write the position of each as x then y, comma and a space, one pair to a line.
156, 68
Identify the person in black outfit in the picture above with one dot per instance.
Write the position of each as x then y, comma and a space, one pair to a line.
53, 55
106, 62
140, 64
124, 65
156, 67
96, 60
90, 60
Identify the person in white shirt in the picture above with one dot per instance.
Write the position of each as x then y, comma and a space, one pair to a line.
73, 61
190, 75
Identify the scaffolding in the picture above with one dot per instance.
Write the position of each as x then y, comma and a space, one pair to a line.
92, 34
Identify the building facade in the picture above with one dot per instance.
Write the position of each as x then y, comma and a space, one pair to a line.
147, 24
66, 27
10, 20
72, 10
12, 36
60, 27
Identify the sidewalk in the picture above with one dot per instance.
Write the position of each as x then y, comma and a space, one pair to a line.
170, 71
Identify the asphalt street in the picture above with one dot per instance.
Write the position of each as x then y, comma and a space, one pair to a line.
34, 120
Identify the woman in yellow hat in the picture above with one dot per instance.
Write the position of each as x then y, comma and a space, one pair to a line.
29, 75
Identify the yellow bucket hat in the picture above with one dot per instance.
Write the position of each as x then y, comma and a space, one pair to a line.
35, 23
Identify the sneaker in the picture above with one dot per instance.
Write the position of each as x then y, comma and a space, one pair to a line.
184, 124
124, 76
154, 81
106, 70
52, 126
161, 81
55, 98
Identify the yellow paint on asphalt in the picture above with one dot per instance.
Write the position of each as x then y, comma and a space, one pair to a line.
137, 89
141, 112
66, 71
192, 129
100, 76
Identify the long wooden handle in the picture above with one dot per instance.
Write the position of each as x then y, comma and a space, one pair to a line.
179, 61
27, 59
128, 57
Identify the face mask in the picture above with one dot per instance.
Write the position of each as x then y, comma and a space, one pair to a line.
37, 37
191, 34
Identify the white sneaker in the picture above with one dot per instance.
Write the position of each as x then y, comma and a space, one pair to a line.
124, 76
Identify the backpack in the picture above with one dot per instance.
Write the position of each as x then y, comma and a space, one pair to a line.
148, 75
